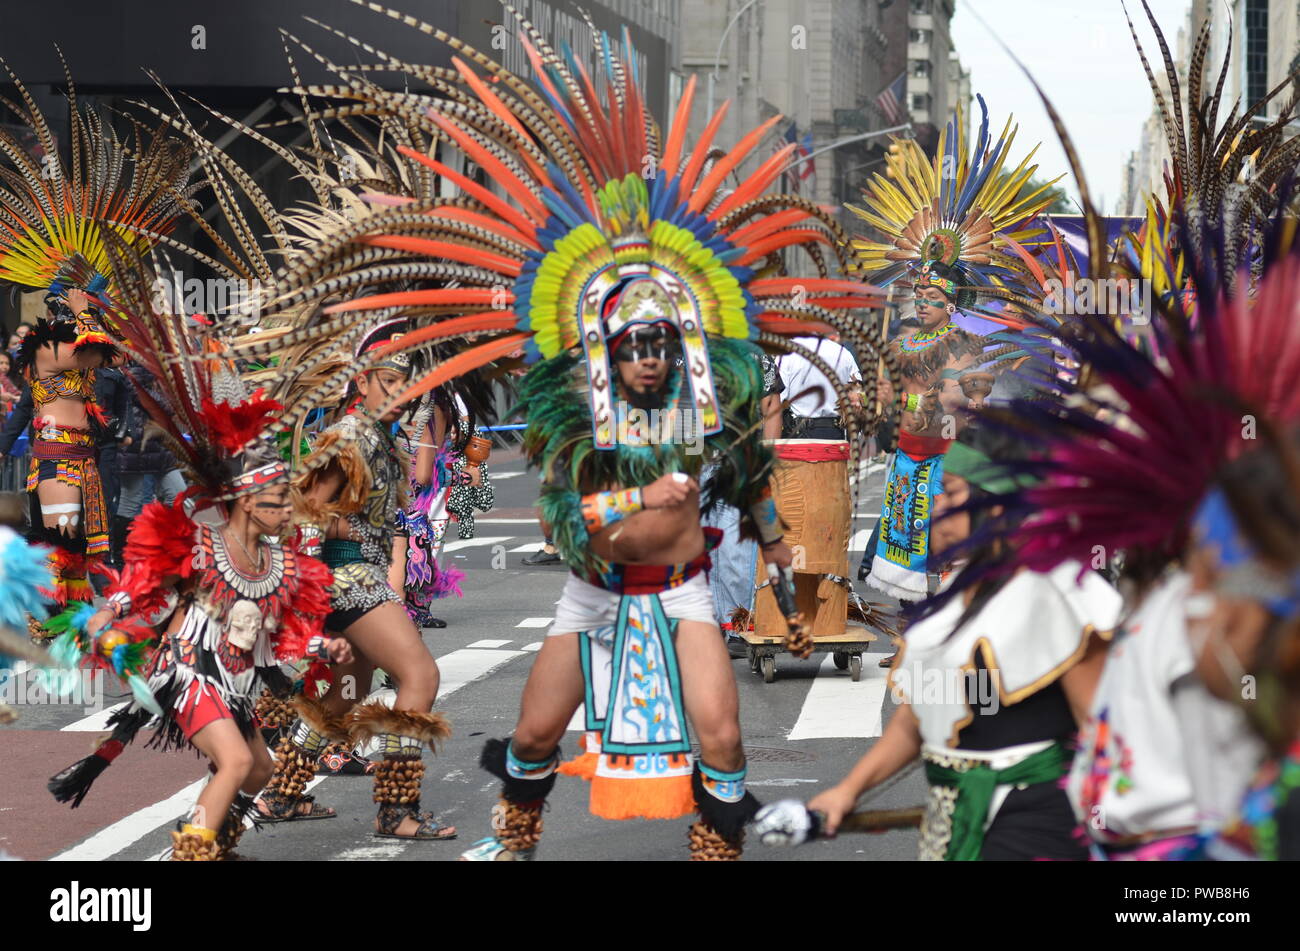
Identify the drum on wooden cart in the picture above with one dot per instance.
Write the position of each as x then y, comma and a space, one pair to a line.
846, 649
810, 485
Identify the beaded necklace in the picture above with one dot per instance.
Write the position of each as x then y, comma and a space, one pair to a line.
926, 339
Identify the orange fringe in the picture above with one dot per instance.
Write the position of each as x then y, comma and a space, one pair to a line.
668, 797
584, 764
633, 797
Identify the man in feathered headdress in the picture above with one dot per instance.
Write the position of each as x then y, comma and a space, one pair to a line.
954, 226
60, 221
934, 360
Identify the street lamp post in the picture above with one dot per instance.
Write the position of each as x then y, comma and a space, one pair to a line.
717, 59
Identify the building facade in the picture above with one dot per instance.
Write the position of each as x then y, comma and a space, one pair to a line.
835, 70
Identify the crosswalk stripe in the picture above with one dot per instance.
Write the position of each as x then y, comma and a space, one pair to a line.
110, 840
476, 542
505, 521
530, 547
838, 707
860, 539
498, 476
536, 622
488, 644
379, 851
579, 719
466, 666
159, 856
96, 722
534, 646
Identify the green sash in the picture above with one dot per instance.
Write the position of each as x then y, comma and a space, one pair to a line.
975, 788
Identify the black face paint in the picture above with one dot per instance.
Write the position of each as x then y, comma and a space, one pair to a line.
656, 341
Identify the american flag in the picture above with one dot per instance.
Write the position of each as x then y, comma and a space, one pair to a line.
803, 146
891, 100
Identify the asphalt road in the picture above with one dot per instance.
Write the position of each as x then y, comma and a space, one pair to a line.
801, 732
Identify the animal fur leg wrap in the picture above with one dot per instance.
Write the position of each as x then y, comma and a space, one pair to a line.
522, 783
327, 727
399, 731
724, 803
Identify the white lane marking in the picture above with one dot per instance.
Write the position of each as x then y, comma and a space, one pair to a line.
779, 782
579, 719
248, 824
871, 517
458, 669
536, 622
860, 539
534, 646
530, 547
505, 521
476, 542
96, 722
489, 644
875, 467
836, 706
369, 853
498, 476
124, 833
466, 666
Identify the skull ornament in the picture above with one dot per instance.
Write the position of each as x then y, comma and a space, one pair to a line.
245, 622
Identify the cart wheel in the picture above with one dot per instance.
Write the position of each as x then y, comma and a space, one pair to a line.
855, 667
769, 668
753, 660
841, 660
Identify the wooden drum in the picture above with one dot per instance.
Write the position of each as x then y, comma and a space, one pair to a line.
811, 488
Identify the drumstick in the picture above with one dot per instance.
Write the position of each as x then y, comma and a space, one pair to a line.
879, 406
881, 820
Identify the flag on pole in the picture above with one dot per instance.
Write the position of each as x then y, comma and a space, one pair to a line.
891, 100
803, 146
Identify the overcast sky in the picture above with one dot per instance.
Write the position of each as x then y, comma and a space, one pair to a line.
1081, 53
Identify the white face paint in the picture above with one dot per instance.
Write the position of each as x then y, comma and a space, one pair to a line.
245, 622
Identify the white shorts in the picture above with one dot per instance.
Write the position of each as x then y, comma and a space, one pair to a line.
584, 607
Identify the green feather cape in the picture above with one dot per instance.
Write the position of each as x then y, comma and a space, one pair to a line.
553, 399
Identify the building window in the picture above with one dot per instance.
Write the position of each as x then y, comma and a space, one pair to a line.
1256, 50
920, 6
920, 102
920, 36
920, 67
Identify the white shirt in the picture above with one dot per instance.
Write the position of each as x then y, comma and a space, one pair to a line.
1140, 768
799, 375
1031, 632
